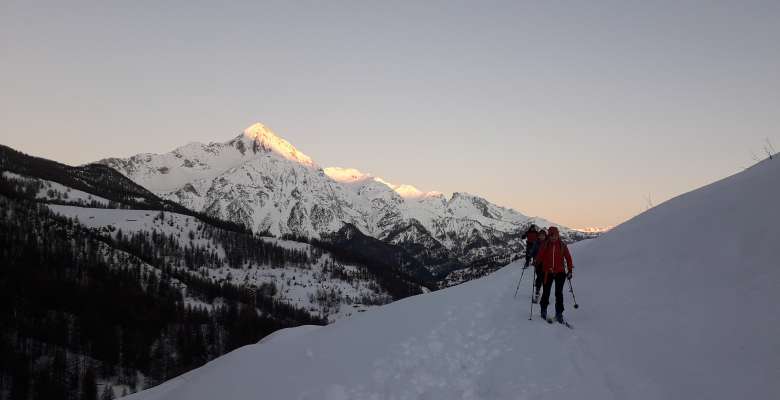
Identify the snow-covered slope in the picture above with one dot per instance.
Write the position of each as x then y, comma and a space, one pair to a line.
324, 286
261, 181
678, 303
53, 191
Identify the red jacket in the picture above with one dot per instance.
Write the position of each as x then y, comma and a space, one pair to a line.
551, 256
530, 236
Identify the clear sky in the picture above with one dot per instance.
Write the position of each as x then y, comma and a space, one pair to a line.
575, 111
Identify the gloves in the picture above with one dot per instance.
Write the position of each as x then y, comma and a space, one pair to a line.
569, 275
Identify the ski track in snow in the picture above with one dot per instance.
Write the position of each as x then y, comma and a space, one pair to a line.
483, 349
473, 353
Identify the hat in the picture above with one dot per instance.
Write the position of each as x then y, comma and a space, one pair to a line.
552, 230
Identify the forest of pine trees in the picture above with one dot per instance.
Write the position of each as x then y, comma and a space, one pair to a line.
75, 312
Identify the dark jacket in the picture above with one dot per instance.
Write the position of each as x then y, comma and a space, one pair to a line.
534, 248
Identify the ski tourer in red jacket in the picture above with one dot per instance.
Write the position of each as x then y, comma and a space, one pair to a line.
551, 258
553, 253
530, 236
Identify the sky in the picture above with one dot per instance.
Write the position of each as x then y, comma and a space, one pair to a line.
580, 112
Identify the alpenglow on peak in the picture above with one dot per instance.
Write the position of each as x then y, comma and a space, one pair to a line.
352, 175
266, 138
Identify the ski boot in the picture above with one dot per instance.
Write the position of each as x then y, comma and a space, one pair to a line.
543, 314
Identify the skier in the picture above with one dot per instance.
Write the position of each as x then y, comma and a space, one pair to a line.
530, 237
540, 241
550, 258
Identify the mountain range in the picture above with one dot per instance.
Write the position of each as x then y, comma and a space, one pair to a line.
261, 181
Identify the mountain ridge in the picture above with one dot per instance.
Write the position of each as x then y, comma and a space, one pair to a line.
263, 182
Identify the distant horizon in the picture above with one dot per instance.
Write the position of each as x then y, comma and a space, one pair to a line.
583, 114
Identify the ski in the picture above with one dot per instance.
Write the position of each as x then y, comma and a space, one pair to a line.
566, 324
551, 320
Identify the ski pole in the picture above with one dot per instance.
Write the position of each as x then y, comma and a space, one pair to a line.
518, 282
571, 289
533, 284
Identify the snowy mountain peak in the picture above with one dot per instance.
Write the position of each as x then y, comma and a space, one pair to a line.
594, 229
346, 175
463, 196
352, 175
409, 191
267, 139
